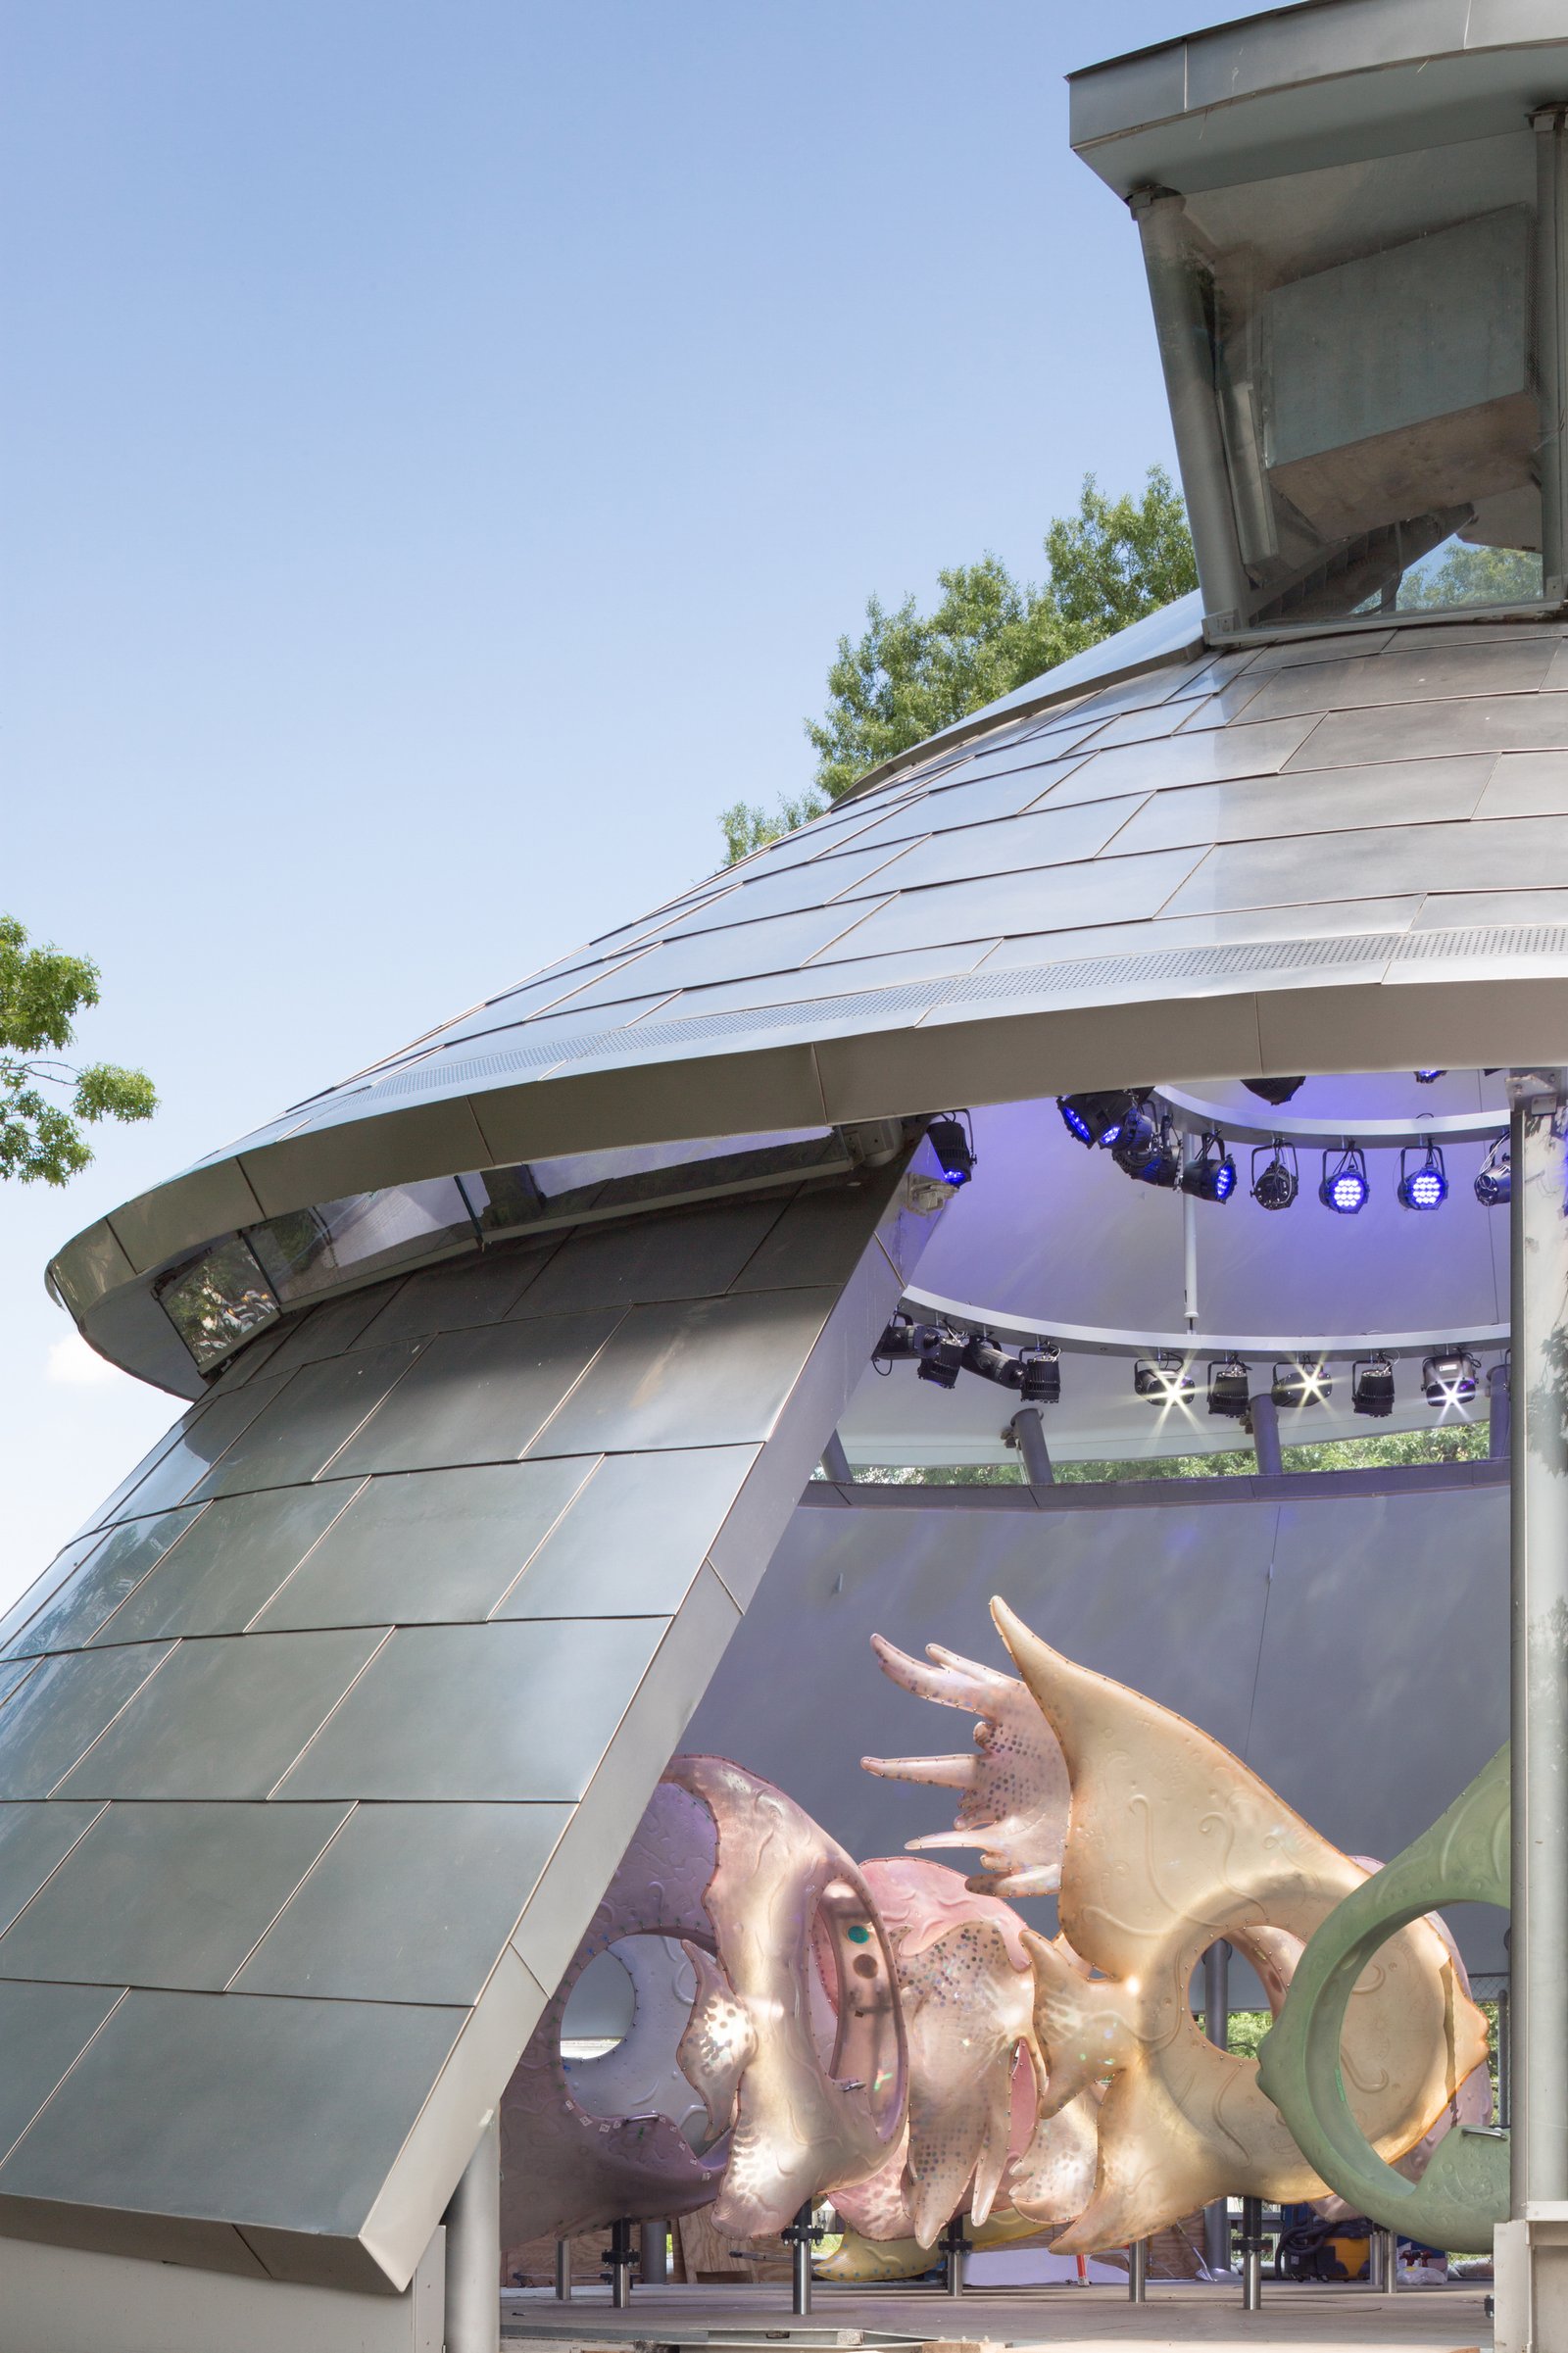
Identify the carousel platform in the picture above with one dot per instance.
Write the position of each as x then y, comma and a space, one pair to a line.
748, 2319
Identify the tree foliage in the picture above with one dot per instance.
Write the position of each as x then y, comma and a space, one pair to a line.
911, 673
46, 1101
1457, 575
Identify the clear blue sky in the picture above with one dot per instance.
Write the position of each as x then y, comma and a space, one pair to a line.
440, 446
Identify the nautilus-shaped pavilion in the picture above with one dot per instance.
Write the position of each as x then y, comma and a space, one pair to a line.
509, 1361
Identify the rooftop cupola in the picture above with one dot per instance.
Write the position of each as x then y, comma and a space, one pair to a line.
1355, 221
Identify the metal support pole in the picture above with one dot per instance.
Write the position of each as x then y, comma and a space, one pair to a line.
473, 2250
836, 1462
1029, 1431
1373, 2258
1390, 2263
1251, 2254
1499, 1415
954, 2244
1218, 2027
1177, 292
1189, 1257
1552, 323
1538, 1946
619, 2257
1138, 2271
801, 2236
564, 2270
1265, 1416
651, 2238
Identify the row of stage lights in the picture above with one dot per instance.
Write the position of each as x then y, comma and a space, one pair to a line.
1143, 1140
940, 1353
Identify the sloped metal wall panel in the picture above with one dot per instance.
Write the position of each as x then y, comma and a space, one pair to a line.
328, 1739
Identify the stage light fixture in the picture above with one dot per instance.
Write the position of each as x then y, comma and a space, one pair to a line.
954, 1144
901, 1338
1276, 1185
1345, 1186
1149, 1149
1274, 1090
1096, 1118
982, 1356
942, 1359
1449, 1376
1300, 1384
1164, 1378
1425, 1187
1041, 1375
1495, 1176
1428, 1078
1210, 1175
1372, 1387
1229, 1389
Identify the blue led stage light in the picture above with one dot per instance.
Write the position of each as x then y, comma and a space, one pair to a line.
1210, 1175
1096, 1118
954, 1144
1345, 1186
1425, 1187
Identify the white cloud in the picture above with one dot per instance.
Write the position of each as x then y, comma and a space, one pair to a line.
76, 1365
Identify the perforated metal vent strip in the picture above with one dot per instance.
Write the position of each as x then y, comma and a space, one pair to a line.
1087, 976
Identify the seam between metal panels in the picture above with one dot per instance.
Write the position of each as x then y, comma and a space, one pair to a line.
10, 2149
352, 1684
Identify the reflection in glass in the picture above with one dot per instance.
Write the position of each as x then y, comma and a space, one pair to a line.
220, 1303
312, 1251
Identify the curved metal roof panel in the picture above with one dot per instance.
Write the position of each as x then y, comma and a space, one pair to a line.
1346, 853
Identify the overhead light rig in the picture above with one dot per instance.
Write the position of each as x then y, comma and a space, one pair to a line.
1161, 1137
943, 1338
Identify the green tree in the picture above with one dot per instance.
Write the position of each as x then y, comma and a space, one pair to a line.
41, 992
913, 672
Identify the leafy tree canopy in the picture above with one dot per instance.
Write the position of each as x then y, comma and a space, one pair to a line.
913, 672
41, 992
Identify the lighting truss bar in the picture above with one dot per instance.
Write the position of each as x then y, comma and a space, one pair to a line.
1373, 1135
1311, 1347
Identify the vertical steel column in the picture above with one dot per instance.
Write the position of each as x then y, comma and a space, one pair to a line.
651, 2268
1029, 1429
954, 2244
564, 2270
1500, 1412
1218, 2027
1552, 321
1391, 2262
1374, 2257
473, 2250
1265, 1416
1138, 2271
1186, 353
1539, 1980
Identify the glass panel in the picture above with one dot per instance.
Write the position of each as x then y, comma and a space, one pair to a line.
312, 1251
1372, 373
220, 1303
